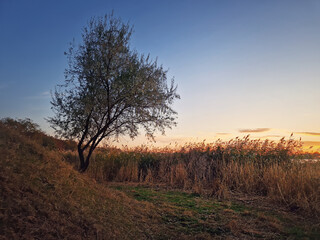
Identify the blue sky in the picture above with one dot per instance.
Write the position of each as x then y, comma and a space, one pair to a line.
238, 64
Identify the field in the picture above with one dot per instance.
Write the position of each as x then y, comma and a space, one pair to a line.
241, 189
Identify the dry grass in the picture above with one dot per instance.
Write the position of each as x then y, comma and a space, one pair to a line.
297, 186
43, 197
263, 168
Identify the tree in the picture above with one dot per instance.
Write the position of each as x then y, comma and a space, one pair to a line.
110, 90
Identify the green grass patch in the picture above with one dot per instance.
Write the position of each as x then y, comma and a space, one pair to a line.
186, 213
191, 214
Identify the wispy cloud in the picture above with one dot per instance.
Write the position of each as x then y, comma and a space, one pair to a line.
267, 136
45, 93
167, 140
222, 134
317, 143
254, 130
42, 95
308, 133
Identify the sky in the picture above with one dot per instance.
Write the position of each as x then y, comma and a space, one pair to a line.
242, 67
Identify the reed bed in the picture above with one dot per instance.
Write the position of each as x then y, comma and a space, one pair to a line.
256, 167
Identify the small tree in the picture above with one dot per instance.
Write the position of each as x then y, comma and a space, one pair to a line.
110, 90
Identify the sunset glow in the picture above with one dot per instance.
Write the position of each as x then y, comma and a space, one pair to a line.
171, 119
242, 67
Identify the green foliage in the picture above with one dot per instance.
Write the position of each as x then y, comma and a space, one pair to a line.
110, 90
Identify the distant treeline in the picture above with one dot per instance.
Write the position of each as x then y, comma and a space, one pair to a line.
32, 130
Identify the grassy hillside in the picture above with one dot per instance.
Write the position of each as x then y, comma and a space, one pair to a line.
44, 197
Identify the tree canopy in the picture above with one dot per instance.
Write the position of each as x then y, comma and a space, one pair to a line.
110, 89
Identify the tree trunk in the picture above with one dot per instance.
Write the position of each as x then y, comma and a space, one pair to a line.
84, 162
81, 157
85, 166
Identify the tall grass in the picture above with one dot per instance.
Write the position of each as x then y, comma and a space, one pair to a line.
264, 168
256, 167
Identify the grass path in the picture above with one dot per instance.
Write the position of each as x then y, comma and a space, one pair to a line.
189, 216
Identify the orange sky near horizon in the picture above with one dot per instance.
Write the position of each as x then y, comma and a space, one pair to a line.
310, 140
